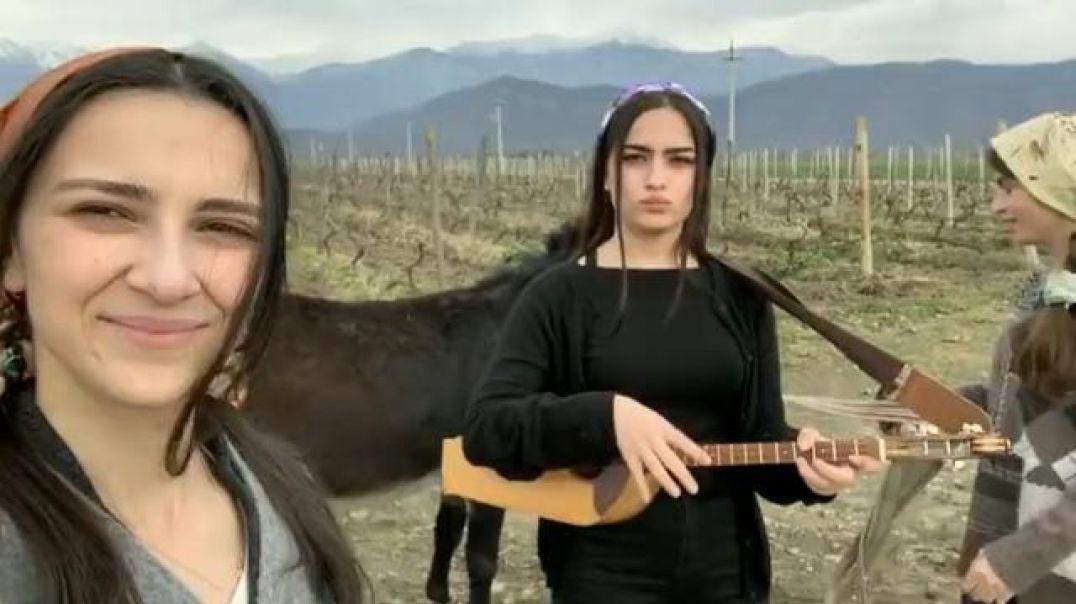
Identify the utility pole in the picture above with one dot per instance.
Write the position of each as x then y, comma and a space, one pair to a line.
731, 136
500, 137
731, 60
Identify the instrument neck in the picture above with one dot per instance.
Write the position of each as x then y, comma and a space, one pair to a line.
832, 451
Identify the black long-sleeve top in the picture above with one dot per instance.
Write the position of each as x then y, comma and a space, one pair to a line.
711, 368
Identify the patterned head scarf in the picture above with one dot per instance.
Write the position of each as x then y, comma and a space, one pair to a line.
1041, 153
16, 112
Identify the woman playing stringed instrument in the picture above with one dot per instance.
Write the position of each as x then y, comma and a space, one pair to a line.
1021, 535
642, 348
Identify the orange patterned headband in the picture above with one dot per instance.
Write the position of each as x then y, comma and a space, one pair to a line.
16, 112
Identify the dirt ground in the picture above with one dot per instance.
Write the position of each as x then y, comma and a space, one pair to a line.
936, 323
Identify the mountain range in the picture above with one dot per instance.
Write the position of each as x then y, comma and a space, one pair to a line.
553, 91
905, 104
338, 96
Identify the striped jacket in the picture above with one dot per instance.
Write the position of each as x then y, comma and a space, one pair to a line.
1023, 507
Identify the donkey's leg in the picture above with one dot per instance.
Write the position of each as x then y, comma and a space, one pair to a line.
447, 532
483, 545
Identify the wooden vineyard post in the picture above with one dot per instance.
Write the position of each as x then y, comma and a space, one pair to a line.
435, 193
835, 174
911, 178
752, 171
889, 168
412, 169
862, 153
766, 176
743, 172
950, 209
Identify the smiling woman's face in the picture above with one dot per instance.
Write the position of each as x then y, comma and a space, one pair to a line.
134, 244
1028, 221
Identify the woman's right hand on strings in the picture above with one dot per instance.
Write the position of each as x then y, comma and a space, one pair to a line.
647, 441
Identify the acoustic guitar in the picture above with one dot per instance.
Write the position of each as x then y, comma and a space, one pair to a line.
611, 495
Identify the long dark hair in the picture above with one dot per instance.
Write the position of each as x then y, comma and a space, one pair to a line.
1045, 345
601, 218
76, 560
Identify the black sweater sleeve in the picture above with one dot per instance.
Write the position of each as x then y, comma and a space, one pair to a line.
780, 484
517, 425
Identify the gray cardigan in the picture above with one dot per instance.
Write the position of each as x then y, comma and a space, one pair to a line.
272, 554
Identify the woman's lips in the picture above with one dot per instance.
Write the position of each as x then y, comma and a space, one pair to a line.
154, 332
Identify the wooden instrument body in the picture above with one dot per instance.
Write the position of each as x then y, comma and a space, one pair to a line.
562, 495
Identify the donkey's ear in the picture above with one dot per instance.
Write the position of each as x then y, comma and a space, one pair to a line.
562, 240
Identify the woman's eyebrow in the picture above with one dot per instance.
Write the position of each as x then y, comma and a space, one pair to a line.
111, 187
667, 151
141, 193
229, 206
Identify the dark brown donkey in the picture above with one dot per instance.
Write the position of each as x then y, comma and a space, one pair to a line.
367, 390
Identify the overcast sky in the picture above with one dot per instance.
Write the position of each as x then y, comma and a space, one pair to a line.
848, 31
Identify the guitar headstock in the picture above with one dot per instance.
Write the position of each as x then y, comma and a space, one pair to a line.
947, 446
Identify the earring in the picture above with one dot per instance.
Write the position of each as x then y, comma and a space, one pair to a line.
13, 365
14, 345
